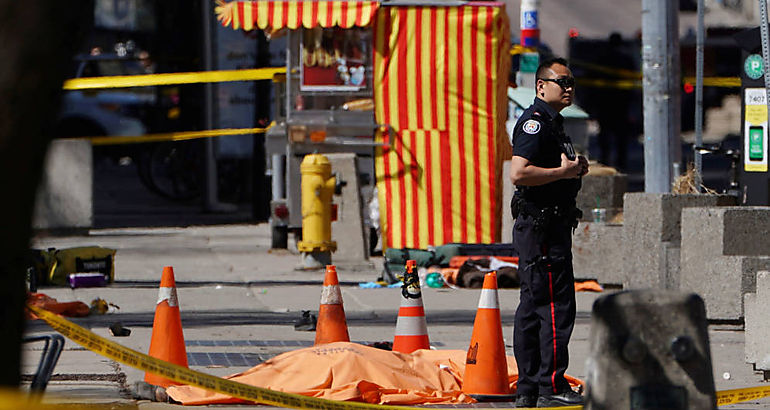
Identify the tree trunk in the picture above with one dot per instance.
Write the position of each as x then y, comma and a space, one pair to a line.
38, 38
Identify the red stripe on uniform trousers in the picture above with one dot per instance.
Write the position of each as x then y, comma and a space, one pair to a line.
553, 320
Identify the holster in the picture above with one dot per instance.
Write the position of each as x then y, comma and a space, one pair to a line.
516, 205
544, 217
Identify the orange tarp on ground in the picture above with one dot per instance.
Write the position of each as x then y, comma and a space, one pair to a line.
353, 372
440, 81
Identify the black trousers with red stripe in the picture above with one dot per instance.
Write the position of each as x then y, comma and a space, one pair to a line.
546, 313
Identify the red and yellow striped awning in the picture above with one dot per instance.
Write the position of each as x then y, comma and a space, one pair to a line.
440, 78
277, 14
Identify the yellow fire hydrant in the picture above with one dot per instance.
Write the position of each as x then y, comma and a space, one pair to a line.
317, 189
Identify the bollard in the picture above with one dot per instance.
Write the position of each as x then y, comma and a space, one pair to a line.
317, 189
649, 350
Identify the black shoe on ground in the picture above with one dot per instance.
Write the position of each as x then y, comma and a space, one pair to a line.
567, 398
526, 401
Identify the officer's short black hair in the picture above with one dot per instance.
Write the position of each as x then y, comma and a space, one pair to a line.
548, 63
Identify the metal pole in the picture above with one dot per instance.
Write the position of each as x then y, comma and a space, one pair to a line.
699, 96
765, 50
210, 199
660, 66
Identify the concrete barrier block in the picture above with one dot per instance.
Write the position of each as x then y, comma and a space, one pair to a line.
745, 231
348, 229
65, 195
607, 189
652, 235
596, 253
722, 279
757, 327
722, 282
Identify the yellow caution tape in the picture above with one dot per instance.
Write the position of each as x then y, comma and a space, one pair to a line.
141, 361
173, 136
726, 397
621, 72
730, 82
144, 80
726, 82
600, 83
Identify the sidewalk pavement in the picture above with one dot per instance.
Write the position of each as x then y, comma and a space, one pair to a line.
239, 300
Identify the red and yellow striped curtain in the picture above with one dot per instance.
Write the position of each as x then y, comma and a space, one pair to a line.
248, 15
440, 82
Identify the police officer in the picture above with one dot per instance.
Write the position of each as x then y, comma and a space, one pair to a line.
546, 172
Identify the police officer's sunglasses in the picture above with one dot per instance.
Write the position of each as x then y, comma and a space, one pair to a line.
564, 83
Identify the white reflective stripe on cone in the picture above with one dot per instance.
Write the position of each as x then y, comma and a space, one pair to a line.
411, 326
331, 295
488, 299
168, 294
411, 302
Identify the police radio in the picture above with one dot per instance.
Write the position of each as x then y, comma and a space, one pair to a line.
569, 150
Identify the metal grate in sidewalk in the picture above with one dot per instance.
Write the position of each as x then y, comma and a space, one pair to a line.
226, 359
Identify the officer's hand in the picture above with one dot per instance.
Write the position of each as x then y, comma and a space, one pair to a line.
570, 168
584, 164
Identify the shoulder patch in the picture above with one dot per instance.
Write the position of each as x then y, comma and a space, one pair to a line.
531, 127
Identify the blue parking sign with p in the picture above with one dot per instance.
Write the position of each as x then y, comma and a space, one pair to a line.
529, 19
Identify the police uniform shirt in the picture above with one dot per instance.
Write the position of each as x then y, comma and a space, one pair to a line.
539, 137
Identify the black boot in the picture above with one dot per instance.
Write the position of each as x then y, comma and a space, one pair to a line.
567, 398
526, 401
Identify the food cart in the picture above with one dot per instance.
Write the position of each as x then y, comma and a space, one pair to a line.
416, 89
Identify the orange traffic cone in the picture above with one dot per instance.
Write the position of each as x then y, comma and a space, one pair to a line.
486, 368
167, 339
411, 328
332, 326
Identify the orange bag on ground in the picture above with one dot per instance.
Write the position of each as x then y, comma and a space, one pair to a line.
588, 286
353, 372
41, 300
